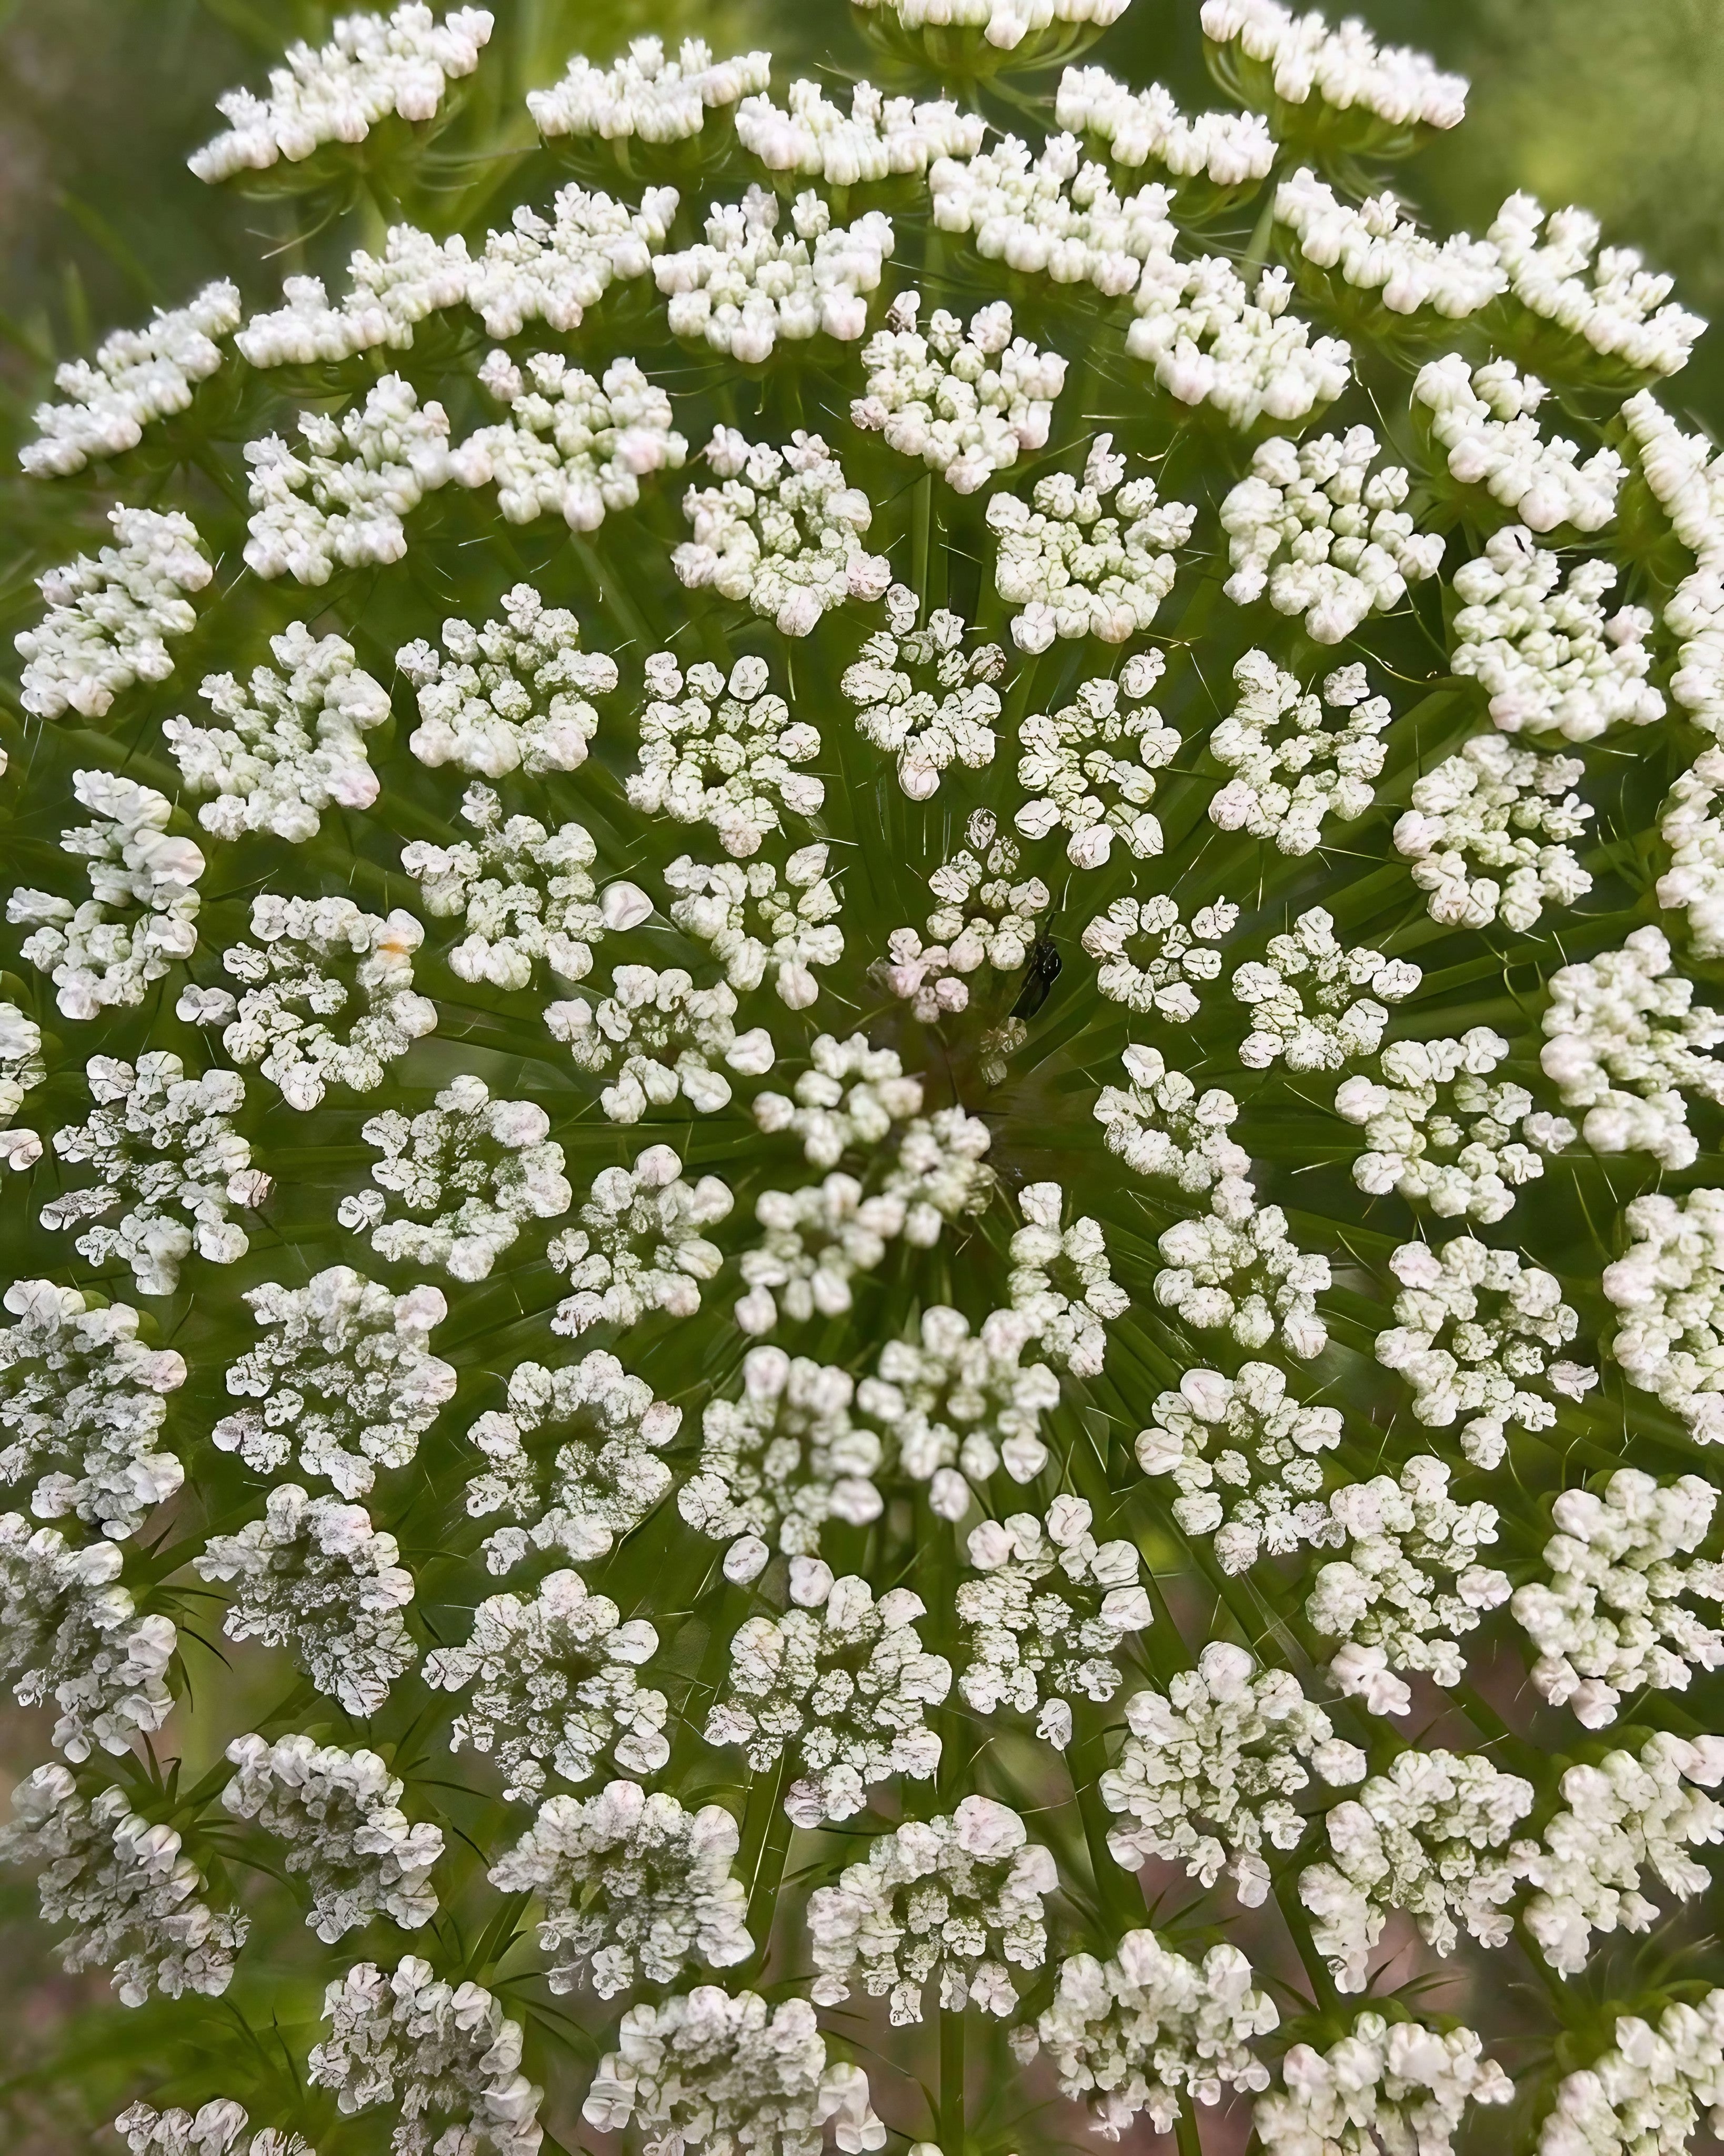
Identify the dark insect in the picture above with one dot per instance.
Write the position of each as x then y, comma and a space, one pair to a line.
1038, 978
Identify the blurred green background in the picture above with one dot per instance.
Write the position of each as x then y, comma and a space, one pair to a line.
1612, 103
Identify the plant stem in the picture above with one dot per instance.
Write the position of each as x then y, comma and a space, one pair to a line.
951, 2082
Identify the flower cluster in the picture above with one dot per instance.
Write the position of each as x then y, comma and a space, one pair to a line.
1324, 535
646, 94
1262, 1492
317, 1577
843, 1681
1074, 767
1274, 735
1609, 1617
1092, 557
345, 1376
1484, 425
339, 1814
1474, 1329
512, 696
955, 1898
110, 617
137, 377
1207, 1775
491, 1157
920, 696
373, 66
631, 1884
1496, 806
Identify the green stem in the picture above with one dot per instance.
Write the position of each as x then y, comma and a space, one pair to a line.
769, 1867
952, 2118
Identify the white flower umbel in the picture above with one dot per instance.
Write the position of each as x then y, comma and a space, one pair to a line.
1005, 24
1624, 1041
1261, 1490
1483, 421
782, 532
315, 1577
140, 917
964, 403
571, 447
1181, 958
135, 1901
1499, 808
1541, 649
341, 503
373, 65
1442, 1134
1290, 774
1475, 1328
329, 999
522, 891
1691, 826
983, 919
1214, 339
164, 1146
1299, 58
550, 1683
216, 2129
345, 1375
638, 1247
1410, 1587
1384, 2085
110, 616
1668, 1288
1378, 247
780, 1460
1147, 2029
339, 1814
1239, 1268
712, 2070
22, 1071
843, 1682
744, 286
1089, 558
631, 1885
1610, 1619
82, 1403
555, 270
669, 1034
387, 296
1090, 766
1604, 297
1324, 535
921, 697
574, 1459
1145, 126
1207, 1776
1666, 2082
73, 1636
1162, 1129
1431, 1837
137, 377
646, 95
1684, 475
1344, 1025
470, 1171
955, 1897
1627, 1815
879, 136
756, 928
432, 2052
724, 752
1055, 214
1061, 1281
511, 695
960, 1405
850, 1100
1046, 1615
293, 744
